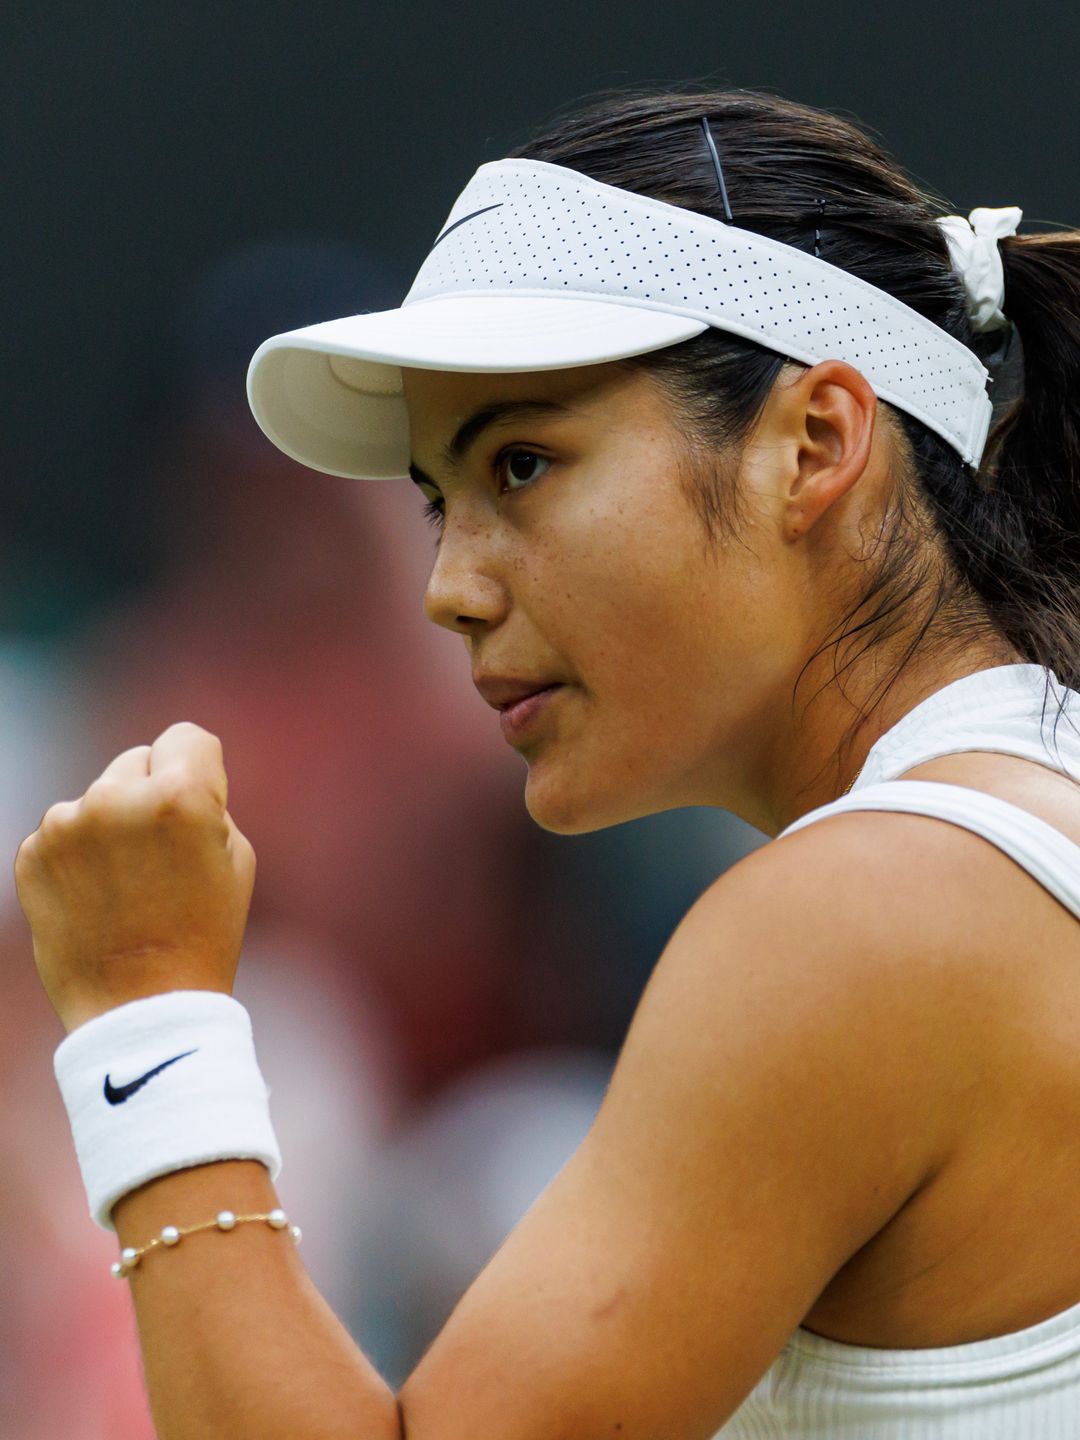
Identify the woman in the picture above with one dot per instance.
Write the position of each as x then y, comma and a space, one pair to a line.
720, 523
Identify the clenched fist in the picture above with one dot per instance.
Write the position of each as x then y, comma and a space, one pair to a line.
141, 886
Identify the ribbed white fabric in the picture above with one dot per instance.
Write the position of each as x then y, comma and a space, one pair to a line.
1024, 1385
195, 1092
1044, 852
1006, 710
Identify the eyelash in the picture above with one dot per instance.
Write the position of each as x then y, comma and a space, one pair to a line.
433, 509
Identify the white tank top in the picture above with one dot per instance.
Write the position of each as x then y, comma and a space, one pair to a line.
1024, 1385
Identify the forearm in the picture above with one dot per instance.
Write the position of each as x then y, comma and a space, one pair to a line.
237, 1343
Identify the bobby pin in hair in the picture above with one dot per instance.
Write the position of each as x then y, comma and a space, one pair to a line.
817, 228
711, 143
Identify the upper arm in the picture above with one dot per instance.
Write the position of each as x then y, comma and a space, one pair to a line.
785, 1086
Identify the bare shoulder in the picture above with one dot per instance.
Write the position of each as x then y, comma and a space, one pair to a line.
891, 958
790, 1079
940, 908
883, 880
844, 952
870, 934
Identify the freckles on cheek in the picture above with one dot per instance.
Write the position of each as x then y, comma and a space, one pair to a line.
611, 564
631, 629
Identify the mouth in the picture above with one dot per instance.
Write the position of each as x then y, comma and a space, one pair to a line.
504, 692
517, 717
521, 700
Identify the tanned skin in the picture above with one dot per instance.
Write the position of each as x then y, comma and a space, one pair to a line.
851, 1086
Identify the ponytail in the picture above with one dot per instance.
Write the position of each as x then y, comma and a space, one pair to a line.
1017, 537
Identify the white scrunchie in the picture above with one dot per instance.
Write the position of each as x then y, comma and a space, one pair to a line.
973, 249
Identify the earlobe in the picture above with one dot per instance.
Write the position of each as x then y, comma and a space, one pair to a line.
833, 410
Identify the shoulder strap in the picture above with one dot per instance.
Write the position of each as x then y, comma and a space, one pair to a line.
1046, 854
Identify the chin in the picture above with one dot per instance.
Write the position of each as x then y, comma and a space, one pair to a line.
573, 809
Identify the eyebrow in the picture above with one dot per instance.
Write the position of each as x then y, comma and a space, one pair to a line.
469, 431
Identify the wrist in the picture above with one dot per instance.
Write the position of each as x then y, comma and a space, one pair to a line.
184, 1197
77, 1013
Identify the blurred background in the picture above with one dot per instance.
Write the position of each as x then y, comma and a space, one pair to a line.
439, 988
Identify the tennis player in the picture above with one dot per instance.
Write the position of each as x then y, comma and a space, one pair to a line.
696, 390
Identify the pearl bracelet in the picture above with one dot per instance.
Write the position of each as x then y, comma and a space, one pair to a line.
170, 1235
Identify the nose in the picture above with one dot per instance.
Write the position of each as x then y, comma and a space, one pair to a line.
463, 593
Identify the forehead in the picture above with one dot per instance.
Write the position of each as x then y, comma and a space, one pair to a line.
440, 401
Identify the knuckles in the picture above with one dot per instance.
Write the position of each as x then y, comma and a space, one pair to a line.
59, 819
25, 857
51, 834
178, 794
174, 797
105, 800
167, 800
187, 730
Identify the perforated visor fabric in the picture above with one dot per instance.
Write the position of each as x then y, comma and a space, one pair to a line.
540, 267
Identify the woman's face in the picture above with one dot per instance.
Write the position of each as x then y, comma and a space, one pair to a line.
571, 557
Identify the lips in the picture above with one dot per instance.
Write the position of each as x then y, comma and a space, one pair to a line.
522, 720
501, 692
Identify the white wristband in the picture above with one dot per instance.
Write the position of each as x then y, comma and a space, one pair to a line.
159, 1085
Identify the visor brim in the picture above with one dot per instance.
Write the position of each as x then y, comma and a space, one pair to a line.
330, 395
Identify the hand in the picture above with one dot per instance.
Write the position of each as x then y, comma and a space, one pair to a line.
141, 886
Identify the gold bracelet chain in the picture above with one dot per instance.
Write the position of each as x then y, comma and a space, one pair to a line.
170, 1235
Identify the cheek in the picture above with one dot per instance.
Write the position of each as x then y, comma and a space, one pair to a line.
668, 636
632, 591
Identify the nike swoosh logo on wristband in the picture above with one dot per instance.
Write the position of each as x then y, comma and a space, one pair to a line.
117, 1094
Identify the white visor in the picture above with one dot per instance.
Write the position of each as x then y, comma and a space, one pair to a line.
541, 268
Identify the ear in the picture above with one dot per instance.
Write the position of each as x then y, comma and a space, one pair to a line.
825, 417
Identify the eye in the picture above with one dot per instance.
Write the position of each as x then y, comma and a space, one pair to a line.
517, 468
434, 506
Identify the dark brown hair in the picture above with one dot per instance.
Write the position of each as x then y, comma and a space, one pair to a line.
995, 553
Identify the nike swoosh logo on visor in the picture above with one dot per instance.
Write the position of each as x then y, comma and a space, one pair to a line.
117, 1094
463, 220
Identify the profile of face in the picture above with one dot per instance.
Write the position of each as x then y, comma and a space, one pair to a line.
573, 561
